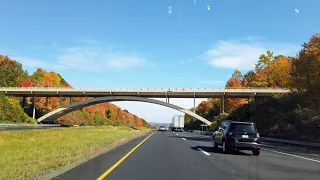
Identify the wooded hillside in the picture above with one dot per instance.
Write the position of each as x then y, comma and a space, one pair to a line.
12, 108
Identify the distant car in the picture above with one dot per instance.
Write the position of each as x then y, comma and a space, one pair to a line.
233, 135
162, 128
82, 124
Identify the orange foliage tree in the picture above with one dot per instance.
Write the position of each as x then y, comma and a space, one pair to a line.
234, 82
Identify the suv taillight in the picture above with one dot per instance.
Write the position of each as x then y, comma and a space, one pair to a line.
257, 135
229, 133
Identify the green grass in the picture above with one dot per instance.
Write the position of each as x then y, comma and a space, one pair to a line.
29, 153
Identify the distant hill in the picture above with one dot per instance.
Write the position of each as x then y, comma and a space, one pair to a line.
156, 124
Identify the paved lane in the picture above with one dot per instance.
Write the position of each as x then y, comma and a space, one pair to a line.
268, 165
166, 155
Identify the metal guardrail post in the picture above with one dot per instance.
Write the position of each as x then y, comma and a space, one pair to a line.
29, 125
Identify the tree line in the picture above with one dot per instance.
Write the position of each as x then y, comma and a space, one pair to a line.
17, 109
295, 115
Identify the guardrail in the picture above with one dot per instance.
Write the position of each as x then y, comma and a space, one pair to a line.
29, 125
299, 143
274, 140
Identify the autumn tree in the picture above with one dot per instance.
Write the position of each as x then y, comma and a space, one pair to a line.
280, 72
110, 113
234, 82
11, 72
204, 109
11, 111
263, 68
251, 79
306, 68
37, 77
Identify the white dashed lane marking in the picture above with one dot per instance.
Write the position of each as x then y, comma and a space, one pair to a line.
204, 152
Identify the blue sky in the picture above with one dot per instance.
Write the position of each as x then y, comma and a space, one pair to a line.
152, 43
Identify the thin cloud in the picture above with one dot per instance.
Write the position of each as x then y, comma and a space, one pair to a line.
123, 62
244, 54
33, 64
213, 82
95, 58
88, 58
187, 61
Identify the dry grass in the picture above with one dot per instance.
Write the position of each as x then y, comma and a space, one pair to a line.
27, 154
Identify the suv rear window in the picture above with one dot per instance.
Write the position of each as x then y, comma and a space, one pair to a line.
250, 128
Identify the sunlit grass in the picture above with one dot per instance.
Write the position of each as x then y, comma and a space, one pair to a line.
28, 153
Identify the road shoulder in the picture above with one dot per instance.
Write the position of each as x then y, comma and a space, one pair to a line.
56, 172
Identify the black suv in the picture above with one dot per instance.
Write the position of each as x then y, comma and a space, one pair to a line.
237, 135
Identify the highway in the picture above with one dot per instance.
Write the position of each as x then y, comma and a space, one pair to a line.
168, 155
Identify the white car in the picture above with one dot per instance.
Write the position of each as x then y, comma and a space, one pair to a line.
162, 128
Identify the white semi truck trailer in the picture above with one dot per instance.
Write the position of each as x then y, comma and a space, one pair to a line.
177, 123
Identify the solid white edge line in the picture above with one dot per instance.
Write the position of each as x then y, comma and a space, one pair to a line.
184, 138
204, 152
291, 155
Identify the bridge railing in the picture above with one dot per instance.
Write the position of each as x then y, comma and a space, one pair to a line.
247, 89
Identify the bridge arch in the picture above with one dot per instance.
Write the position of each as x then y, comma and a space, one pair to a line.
78, 105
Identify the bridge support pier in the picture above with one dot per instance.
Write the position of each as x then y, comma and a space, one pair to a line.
23, 102
222, 104
34, 108
60, 101
47, 102
194, 102
70, 100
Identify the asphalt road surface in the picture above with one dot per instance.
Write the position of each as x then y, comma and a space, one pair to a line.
167, 155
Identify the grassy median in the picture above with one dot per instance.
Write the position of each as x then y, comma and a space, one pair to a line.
26, 154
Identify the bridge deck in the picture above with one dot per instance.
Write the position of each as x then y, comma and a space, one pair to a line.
143, 92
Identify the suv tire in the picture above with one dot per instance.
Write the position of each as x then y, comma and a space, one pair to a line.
256, 152
214, 143
225, 148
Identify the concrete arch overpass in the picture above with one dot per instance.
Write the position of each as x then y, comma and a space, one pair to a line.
78, 105
118, 93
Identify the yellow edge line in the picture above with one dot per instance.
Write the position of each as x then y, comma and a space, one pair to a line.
122, 159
